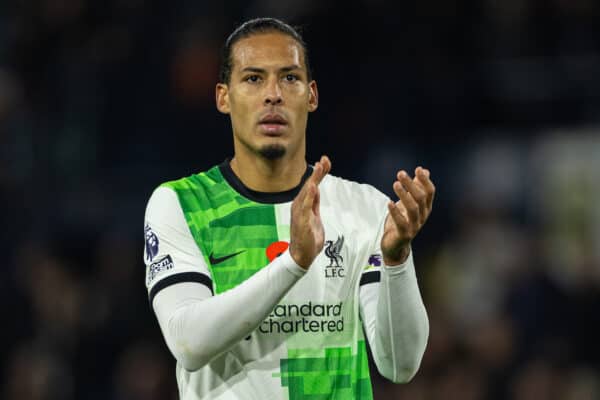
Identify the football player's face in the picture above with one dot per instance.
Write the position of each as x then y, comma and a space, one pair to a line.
268, 96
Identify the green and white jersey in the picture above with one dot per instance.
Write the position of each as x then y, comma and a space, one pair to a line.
211, 230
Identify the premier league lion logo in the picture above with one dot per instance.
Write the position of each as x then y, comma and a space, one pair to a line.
151, 243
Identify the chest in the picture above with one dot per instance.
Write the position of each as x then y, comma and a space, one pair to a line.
246, 240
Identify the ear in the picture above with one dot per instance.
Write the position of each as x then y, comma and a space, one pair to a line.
313, 96
222, 98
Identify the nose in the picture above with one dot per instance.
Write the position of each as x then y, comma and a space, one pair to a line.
273, 93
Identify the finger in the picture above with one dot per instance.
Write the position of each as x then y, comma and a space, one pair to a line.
321, 168
418, 171
402, 209
326, 164
309, 196
424, 203
400, 220
416, 180
316, 202
424, 178
317, 173
416, 192
305, 188
413, 188
412, 208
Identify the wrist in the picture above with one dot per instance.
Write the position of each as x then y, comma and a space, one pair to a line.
302, 262
396, 257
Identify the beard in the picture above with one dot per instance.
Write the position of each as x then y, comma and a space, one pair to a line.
272, 151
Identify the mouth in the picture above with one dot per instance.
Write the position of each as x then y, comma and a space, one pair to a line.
273, 124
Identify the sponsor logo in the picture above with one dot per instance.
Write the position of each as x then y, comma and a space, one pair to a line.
151, 243
217, 260
164, 264
333, 251
308, 317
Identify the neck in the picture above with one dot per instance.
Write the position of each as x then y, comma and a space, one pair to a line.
263, 175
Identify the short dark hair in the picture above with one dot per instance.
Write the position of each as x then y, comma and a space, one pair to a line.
257, 26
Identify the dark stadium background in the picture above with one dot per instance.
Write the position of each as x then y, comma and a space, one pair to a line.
100, 101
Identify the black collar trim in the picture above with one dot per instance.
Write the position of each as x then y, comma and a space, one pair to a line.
260, 197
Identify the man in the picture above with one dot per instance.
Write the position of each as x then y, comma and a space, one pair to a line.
263, 271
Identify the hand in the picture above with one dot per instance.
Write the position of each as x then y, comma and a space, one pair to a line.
407, 216
306, 228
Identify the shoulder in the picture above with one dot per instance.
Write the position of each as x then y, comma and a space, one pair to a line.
167, 194
195, 181
162, 204
170, 191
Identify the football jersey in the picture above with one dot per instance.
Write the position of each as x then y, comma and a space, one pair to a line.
312, 345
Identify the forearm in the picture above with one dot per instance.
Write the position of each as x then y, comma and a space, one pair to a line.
198, 329
399, 330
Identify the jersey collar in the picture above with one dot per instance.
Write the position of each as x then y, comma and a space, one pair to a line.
261, 197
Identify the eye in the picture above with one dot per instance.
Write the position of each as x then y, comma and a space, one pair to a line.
291, 78
252, 79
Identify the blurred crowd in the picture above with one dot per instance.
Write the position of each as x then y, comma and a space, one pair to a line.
102, 101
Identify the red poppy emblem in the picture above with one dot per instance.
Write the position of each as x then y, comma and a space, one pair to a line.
275, 249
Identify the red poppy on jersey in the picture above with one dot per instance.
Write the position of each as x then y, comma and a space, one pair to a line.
275, 249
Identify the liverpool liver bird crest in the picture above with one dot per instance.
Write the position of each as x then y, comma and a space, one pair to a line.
334, 250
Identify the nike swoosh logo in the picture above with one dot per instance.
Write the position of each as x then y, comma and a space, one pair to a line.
217, 260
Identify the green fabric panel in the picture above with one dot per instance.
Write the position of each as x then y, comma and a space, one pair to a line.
338, 375
223, 223
246, 216
256, 232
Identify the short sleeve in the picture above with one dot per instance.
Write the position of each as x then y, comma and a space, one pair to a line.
171, 254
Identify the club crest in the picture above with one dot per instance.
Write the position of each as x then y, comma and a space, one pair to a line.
333, 251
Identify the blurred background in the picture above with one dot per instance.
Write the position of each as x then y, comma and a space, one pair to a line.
100, 101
